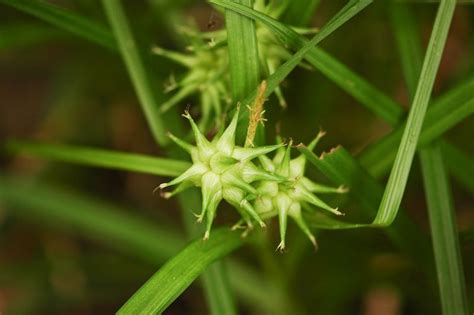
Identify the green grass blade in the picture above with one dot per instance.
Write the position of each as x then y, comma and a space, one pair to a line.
441, 213
306, 47
179, 272
444, 232
89, 217
459, 164
244, 63
65, 19
218, 289
399, 175
100, 158
342, 169
443, 114
355, 85
243, 52
136, 68
409, 47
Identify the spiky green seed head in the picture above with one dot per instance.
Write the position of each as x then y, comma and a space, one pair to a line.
288, 198
223, 170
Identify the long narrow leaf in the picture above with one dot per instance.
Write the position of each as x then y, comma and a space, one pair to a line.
442, 115
341, 168
136, 68
331, 67
285, 33
444, 232
441, 213
179, 272
371, 97
100, 158
399, 175
65, 19
243, 52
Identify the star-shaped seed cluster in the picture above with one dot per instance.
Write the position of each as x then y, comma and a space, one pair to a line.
223, 170
258, 189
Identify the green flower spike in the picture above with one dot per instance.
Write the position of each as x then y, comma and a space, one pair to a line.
223, 170
287, 198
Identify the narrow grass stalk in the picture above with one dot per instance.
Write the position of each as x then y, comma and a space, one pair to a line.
440, 209
243, 52
399, 175
355, 85
444, 232
136, 68
179, 272
345, 14
99, 158
444, 113
65, 19
369, 96
244, 63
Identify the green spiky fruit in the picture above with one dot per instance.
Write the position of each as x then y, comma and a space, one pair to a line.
287, 198
223, 170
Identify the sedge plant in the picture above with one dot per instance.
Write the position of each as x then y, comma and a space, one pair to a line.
232, 160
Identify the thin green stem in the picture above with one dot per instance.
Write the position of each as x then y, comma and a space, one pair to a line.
136, 68
398, 177
444, 232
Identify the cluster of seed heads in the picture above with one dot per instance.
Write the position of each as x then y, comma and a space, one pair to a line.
207, 65
255, 185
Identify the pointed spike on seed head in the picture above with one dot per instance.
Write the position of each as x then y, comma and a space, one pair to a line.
284, 167
211, 192
226, 141
342, 189
251, 173
283, 203
281, 247
266, 163
306, 196
312, 145
180, 95
244, 204
191, 174
203, 145
185, 60
229, 179
181, 143
181, 187
297, 166
322, 189
206, 235
296, 214
247, 154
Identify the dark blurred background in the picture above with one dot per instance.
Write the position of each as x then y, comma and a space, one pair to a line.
59, 88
